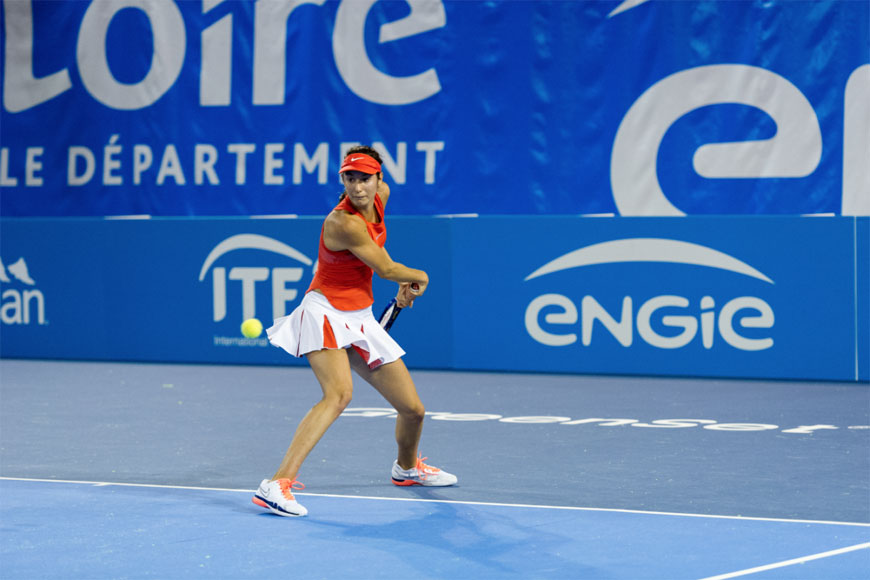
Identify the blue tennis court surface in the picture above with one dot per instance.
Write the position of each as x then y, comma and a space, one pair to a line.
146, 471
89, 531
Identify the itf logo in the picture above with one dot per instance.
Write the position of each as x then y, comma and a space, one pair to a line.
249, 276
681, 317
21, 304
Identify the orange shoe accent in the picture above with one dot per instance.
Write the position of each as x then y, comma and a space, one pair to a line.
259, 502
405, 483
425, 468
421, 468
328, 335
290, 484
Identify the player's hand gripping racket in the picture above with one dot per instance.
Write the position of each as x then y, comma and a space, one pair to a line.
391, 312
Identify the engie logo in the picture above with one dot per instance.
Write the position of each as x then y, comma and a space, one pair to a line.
23, 303
248, 277
682, 316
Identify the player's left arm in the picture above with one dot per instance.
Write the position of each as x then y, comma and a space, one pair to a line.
342, 231
406, 295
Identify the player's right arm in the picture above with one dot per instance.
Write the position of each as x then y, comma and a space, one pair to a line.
343, 231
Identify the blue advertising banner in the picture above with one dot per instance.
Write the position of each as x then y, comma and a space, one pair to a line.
862, 299
752, 297
768, 298
178, 290
634, 107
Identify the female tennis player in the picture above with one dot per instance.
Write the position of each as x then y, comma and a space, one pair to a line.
335, 330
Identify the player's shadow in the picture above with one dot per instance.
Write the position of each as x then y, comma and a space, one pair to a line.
470, 536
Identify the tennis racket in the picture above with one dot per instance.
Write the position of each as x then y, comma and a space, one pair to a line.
391, 312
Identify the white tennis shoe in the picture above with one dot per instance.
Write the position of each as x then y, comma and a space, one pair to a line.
277, 497
422, 474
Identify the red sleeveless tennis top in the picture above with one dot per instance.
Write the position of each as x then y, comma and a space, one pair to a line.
343, 278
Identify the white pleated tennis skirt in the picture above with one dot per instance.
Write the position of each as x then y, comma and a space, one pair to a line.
315, 325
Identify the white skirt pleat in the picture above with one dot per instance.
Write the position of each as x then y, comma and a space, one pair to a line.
303, 331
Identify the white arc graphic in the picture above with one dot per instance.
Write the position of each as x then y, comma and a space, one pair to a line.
251, 242
626, 5
648, 250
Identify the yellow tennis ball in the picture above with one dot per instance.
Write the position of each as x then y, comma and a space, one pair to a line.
252, 328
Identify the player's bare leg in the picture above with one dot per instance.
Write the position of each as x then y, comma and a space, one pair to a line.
394, 383
332, 369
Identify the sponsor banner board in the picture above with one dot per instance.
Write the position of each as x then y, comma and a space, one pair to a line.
755, 297
862, 299
178, 290
629, 107
760, 297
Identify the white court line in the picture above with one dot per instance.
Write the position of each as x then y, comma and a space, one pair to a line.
790, 562
452, 501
